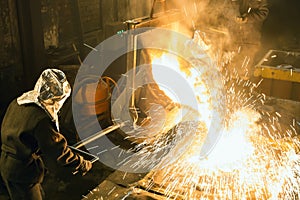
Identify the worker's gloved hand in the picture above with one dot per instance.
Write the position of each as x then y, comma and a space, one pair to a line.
241, 20
85, 167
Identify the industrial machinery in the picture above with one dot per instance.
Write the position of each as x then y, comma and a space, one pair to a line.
169, 19
280, 71
245, 171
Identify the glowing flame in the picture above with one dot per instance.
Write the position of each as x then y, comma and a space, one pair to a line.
234, 146
192, 78
251, 160
169, 61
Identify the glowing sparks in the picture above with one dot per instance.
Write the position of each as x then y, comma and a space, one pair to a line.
94, 49
234, 146
244, 165
254, 159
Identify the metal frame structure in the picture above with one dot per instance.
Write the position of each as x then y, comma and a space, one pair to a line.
285, 71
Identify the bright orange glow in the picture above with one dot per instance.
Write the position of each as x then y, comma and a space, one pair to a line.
192, 78
245, 164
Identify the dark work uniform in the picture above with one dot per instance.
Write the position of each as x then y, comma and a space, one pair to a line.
28, 132
256, 11
245, 37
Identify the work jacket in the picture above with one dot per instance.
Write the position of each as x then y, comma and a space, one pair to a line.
255, 12
223, 13
27, 134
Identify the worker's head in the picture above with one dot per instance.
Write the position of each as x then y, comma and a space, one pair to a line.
52, 87
50, 92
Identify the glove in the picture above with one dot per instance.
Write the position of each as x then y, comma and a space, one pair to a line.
241, 20
84, 167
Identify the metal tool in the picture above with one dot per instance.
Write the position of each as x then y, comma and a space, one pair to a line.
98, 135
76, 147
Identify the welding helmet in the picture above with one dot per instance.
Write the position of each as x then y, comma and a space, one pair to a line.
50, 92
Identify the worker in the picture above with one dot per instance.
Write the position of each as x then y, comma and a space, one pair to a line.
243, 20
30, 137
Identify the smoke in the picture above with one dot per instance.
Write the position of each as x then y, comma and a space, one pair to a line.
203, 16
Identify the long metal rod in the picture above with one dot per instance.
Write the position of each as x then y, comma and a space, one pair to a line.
97, 135
95, 158
134, 38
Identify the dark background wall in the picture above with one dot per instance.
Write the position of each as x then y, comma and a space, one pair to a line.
281, 29
36, 34
10, 50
